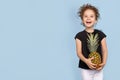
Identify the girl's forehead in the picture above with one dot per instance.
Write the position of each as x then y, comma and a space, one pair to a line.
89, 11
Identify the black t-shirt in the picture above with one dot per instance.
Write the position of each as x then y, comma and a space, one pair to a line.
82, 36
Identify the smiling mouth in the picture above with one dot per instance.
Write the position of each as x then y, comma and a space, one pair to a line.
88, 22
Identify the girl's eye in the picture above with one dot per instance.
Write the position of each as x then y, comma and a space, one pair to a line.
85, 16
91, 16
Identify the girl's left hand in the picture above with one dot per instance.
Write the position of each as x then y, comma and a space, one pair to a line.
101, 66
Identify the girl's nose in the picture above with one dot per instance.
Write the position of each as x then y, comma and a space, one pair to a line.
88, 18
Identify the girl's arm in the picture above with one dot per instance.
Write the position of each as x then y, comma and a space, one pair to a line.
104, 53
104, 50
80, 55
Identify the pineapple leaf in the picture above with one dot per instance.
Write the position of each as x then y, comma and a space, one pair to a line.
92, 41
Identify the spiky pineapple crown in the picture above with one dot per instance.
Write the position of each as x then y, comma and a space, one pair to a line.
92, 41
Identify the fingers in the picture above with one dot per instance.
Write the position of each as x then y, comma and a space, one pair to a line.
91, 58
92, 66
100, 68
102, 64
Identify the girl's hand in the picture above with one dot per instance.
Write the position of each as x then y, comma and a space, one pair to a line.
90, 64
101, 66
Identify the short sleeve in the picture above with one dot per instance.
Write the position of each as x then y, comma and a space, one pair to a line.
102, 35
78, 36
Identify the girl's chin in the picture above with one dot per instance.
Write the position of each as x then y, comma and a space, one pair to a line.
89, 26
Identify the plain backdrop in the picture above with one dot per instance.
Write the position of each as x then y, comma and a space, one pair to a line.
37, 38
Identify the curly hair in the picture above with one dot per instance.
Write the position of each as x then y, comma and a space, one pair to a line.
88, 6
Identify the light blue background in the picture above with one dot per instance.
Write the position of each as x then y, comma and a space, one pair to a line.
37, 38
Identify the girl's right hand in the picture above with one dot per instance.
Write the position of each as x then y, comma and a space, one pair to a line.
90, 64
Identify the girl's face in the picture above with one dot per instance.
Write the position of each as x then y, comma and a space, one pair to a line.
89, 18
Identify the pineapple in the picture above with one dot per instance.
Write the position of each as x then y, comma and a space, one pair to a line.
92, 44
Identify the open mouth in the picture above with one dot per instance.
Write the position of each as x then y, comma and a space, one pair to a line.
88, 22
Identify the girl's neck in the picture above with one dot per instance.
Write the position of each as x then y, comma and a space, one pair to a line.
89, 30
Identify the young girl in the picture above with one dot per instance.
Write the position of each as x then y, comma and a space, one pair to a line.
89, 15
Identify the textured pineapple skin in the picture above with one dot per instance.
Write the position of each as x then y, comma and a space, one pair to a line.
96, 58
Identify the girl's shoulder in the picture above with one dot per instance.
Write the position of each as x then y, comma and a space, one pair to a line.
99, 30
80, 34
101, 33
